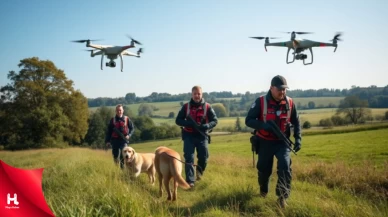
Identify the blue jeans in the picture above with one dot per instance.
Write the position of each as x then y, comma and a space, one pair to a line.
190, 143
269, 149
117, 147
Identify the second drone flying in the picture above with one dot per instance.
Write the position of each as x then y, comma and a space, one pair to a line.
111, 51
300, 45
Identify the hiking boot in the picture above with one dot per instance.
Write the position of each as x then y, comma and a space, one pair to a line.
263, 194
199, 175
282, 202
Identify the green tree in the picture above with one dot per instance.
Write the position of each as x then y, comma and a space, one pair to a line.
171, 115
326, 122
219, 109
238, 124
130, 97
41, 107
143, 122
106, 114
96, 131
145, 110
306, 125
354, 108
128, 112
311, 105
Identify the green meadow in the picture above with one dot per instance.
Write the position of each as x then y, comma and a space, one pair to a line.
341, 174
313, 115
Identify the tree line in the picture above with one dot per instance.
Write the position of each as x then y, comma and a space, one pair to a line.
377, 96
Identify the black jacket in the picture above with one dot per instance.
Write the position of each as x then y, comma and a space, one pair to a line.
252, 118
211, 115
131, 128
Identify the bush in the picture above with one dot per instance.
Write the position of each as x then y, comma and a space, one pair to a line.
379, 117
171, 115
326, 122
338, 120
306, 125
386, 115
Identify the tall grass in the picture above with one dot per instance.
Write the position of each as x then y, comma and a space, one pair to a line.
333, 175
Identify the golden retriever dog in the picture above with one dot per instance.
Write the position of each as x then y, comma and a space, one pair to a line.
139, 162
167, 166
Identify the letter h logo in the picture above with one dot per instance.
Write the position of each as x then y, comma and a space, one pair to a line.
14, 199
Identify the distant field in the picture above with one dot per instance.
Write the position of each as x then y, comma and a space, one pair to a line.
233, 98
166, 107
315, 115
318, 100
305, 100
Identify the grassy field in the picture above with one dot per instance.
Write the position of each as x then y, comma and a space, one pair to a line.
305, 100
164, 108
333, 175
319, 101
313, 115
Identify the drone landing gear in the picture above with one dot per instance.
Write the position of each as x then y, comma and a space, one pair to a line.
288, 51
300, 56
312, 57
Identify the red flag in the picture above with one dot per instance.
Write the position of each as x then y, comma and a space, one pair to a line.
21, 192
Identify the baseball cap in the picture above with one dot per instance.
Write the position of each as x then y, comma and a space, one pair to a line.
279, 82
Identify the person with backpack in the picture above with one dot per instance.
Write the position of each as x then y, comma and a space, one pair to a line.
196, 118
274, 106
120, 130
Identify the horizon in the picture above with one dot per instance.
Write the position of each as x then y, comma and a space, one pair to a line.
198, 43
243, 92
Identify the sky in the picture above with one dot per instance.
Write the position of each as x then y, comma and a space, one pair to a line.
200, 42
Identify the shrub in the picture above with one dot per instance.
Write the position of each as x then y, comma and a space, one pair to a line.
326, 122
338, 120
306, 125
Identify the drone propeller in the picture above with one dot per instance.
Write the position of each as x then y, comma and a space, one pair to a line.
135, 41
140, 50
300, 33
260, 38
83, 41
337, 37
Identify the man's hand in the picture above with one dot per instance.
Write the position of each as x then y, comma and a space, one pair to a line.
127, 137
297, 145
107, 144
204, 126
267, 127
188, 124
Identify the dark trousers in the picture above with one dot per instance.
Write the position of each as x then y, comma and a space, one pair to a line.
117, 147
190, 143
269, 149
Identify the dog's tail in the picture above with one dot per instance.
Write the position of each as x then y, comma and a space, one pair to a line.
176, 169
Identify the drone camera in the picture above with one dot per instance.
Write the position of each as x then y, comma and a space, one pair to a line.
301, 56
111, 64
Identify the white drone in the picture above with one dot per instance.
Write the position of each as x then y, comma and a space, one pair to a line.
111, 51
300, 45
